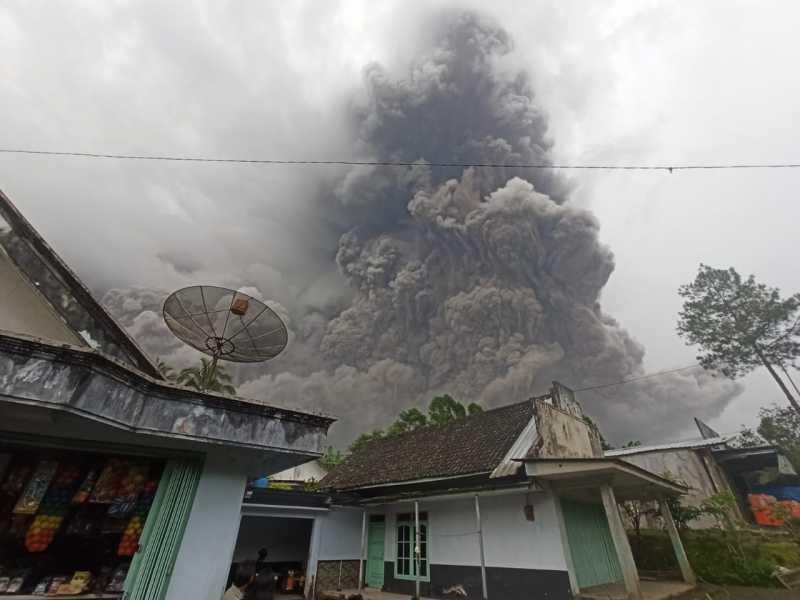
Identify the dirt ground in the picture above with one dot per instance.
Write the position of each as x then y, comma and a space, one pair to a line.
715, 592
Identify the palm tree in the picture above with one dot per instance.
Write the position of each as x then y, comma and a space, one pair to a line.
206, 378
165, 369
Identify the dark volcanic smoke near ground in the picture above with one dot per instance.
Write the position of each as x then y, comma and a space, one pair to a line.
483, 283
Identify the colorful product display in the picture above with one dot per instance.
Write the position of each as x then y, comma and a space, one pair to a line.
67, 507
128, 491
108, 484
53, 509
130, 538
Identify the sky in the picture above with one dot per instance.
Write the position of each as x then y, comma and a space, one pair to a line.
645, 82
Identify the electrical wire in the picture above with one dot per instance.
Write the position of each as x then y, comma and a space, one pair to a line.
632, 379
389, 163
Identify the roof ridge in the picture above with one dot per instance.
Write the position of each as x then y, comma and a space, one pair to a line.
431, 426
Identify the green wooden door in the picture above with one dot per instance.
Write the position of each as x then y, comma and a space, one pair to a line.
151, 568
591, 547
375, 537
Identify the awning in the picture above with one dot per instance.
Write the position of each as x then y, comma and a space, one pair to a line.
581, 478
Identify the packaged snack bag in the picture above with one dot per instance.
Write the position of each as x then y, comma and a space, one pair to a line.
31, 498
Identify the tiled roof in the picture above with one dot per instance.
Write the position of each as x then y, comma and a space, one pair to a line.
476, 444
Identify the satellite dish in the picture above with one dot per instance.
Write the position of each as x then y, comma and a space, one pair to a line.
225, 324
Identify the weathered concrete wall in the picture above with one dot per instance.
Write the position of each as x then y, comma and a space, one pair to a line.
86, 383
685, 466
23, 309
561, 434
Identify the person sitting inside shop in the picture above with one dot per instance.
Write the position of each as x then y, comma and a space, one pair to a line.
245, 574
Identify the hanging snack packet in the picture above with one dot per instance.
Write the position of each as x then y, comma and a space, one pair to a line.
31, 498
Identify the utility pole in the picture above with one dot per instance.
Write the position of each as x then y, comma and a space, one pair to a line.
777, 378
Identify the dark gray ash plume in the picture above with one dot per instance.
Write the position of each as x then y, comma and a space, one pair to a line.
484, 283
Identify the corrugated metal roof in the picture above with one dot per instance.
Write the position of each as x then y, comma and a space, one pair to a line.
682, 445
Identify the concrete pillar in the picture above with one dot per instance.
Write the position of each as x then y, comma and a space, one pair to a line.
204, 558
362, 556
677, 544
620, 538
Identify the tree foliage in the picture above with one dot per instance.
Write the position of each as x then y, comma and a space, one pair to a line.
780, 426
442, 409
202, 377
365, 438
739, 324
165, 369
331, 458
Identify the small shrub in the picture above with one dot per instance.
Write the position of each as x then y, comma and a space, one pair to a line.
720, 557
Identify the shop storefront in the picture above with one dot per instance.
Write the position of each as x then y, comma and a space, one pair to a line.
72, 520
115, 482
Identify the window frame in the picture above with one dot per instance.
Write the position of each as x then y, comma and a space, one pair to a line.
407, 520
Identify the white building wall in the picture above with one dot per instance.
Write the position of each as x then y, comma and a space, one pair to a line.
23, 309
510, 540
340, 534
310, 471
204, 559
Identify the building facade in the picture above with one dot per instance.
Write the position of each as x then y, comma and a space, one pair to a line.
114, 480
508, 503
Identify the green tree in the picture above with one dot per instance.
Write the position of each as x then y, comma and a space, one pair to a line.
442, 409
781, 427
748, 438
165, 369
202, 377
740, 324
331, 458
408, 420
365, 438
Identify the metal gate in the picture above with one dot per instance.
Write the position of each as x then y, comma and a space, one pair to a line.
151, 568
594, 557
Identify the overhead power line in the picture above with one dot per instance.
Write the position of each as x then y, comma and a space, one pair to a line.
391, 163
632, 379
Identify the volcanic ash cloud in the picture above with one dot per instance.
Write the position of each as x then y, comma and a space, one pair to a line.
483, 283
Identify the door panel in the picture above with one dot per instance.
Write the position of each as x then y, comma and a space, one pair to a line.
375, 541
591, 547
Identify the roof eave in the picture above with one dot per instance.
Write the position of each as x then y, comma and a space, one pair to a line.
586, 468
84, 382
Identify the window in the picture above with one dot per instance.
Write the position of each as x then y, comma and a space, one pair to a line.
405, 566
